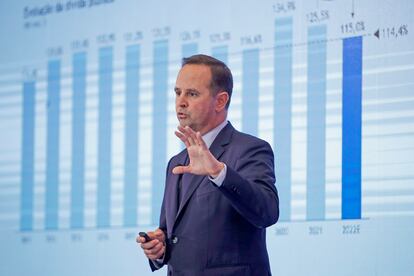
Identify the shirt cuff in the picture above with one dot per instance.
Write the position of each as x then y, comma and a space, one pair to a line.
158, 263
220, 178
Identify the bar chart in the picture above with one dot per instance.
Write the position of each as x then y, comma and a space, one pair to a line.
283, 50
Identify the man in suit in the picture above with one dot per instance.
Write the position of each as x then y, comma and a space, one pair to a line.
220, 192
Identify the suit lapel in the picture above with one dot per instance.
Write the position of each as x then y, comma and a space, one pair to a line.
172, 206
192, 182
222, 140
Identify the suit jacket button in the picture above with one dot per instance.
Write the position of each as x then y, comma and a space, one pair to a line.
174, 240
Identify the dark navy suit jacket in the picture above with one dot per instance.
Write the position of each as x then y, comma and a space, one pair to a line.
222, 230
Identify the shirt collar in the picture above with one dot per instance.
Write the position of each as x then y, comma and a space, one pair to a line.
210, 136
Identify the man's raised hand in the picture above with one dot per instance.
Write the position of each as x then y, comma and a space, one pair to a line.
202, 162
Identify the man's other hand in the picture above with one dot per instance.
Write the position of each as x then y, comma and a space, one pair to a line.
155, 248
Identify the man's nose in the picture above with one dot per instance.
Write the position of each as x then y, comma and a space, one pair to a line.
181, 101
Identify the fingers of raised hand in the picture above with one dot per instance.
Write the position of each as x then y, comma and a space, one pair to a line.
181, 170
194, 138
183, 138
184, 133
189, 134
200, 140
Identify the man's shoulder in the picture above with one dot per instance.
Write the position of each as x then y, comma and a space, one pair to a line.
245, 146
234, 134
246, 138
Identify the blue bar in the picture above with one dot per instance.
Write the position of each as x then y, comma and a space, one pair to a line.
27, 163
316, 125
189, 49
250, 101
131, 135
283, 112
52, 144
104, 134
220, 53
159, 143
351, 127
78, 141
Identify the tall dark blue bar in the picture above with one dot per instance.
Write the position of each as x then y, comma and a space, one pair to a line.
283, 112
351, 127
221, 53
316, 123
131, 135
159, 143
189, 49
27, 163
78, 141
52, 144
250, 101
104, 136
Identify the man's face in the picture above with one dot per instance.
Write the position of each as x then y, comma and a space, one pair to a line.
194, 102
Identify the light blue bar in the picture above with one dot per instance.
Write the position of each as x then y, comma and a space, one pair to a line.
52, 144
316, 123
189, 49
78, 141
283, 113
284, 24
250, 101
27, 163
131, 135
104, 136
285, 37
159, 143
220, 53
351, 127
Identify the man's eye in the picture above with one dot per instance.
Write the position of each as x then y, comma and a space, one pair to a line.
192, 94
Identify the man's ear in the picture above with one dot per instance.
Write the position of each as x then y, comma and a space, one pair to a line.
221, 100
